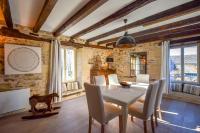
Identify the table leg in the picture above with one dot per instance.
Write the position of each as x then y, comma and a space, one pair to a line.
125, 117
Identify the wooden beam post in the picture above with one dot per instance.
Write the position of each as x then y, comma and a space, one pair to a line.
77, 45
45, 12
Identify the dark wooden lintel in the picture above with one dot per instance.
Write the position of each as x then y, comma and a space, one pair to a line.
15, 33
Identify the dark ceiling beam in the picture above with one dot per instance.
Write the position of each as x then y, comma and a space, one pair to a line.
45, 12
7, 13
16, 34
162, 16
120, 13
91, 6
169, 34
78, 45
180, 23
183, 40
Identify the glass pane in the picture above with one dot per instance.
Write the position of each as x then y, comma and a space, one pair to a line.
70, 64
175, 64
190, 64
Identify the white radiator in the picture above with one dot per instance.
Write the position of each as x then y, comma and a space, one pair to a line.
14, 100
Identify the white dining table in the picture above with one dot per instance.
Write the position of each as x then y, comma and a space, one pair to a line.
123, 97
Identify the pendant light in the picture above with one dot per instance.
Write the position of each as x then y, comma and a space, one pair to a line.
126, 41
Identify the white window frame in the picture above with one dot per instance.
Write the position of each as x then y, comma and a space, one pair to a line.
64, 69
182, 46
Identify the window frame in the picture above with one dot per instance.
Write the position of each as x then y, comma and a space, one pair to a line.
65, 65
182, 46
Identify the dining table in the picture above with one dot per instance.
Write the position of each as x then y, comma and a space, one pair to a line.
124, 97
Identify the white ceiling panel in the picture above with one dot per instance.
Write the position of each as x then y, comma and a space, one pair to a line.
105, 10
62, 11
141, 28
148, 10
25, 12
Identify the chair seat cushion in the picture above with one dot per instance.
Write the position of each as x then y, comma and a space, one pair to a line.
142, 98
111, 111
136, 109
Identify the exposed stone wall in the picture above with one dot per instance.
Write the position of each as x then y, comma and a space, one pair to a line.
122, 60
38, 83
83, 56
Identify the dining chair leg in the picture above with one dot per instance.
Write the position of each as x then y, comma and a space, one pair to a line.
145, 126
120, 124
152, 124
156, 117
159, 114
132, 119
102, 128
90, 124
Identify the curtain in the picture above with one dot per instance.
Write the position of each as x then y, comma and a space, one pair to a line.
165, 64
55, 82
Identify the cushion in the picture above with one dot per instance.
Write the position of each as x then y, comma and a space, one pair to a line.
136, 109
176, 87
191, 89
111, 111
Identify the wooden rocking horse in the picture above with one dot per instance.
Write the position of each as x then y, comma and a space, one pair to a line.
47, 99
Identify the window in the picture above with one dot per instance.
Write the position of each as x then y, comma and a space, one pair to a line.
138, 63
68, 64
175, 64
184, 63
190, 64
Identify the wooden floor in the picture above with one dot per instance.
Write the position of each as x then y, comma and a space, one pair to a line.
179, 117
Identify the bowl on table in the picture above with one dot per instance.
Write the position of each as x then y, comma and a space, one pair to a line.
125, 84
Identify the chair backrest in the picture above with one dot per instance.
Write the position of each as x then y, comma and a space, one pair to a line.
113, 79
95, 102
142, 78
159, 93
150, 99
100, 80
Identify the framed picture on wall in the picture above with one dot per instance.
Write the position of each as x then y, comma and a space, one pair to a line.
20, 59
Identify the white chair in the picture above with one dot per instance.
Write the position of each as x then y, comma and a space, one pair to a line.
158, 100
113, 79
142, 78
100, 80
146, 109
98, 110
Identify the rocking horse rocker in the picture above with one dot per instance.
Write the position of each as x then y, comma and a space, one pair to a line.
41, 113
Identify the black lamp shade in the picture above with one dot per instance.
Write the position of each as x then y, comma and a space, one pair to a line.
125, 41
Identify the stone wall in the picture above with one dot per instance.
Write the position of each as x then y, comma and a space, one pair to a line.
83, 56
37, 83
122, 60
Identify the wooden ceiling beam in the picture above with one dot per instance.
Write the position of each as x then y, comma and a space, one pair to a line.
7, 13
77, 45
180, 23
170, 36
45, 12
91, 6
119, 14
162, 16
183, 40
16, 34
